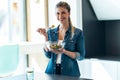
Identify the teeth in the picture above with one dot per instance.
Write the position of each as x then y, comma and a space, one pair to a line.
61, 19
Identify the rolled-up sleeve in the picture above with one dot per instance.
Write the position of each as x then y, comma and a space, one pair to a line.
48, 53
80, 47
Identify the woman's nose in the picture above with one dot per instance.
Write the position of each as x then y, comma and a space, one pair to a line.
60, 16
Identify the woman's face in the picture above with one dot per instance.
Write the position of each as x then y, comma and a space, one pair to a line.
62, 15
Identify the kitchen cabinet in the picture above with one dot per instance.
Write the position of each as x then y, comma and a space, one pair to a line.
85, 67
104, 70
98, 69
118, 71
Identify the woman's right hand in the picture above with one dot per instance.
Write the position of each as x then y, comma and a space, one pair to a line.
43, 32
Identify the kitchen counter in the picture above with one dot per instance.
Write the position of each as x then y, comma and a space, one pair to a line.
43, 76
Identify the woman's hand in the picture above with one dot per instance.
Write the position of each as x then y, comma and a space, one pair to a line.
57, 51
43, 32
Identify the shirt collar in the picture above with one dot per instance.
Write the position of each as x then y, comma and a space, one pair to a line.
68, 30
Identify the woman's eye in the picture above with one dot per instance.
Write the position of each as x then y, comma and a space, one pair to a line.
57, 13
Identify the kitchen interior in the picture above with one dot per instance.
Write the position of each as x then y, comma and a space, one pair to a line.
22, 46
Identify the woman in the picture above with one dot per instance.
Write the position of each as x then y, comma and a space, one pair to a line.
63, 61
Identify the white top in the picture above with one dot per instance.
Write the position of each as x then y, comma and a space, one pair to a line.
58, 61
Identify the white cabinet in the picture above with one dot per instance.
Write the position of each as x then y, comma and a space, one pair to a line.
100, 69
104, 70
118, 71
85, 68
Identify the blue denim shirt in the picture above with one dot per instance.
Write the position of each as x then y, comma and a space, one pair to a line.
69, 66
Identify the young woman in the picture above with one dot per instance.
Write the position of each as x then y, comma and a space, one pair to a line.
63, 61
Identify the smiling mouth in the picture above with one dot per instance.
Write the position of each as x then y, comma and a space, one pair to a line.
61, 19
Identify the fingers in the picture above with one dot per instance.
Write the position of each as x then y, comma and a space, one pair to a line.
56, 51
41, 31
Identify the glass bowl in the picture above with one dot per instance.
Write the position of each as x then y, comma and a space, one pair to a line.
53, 45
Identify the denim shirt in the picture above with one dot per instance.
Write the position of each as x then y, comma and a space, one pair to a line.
69, 66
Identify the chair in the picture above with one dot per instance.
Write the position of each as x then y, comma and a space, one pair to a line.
9, 59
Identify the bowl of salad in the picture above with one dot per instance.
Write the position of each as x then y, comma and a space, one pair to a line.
54, 45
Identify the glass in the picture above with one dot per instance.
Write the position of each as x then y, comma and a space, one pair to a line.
30, 74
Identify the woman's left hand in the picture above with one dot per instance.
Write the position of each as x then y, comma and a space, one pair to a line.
57, 51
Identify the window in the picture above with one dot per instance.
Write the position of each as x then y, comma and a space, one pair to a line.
35, 19
12, 22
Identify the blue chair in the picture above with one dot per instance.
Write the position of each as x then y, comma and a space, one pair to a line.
9, 59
